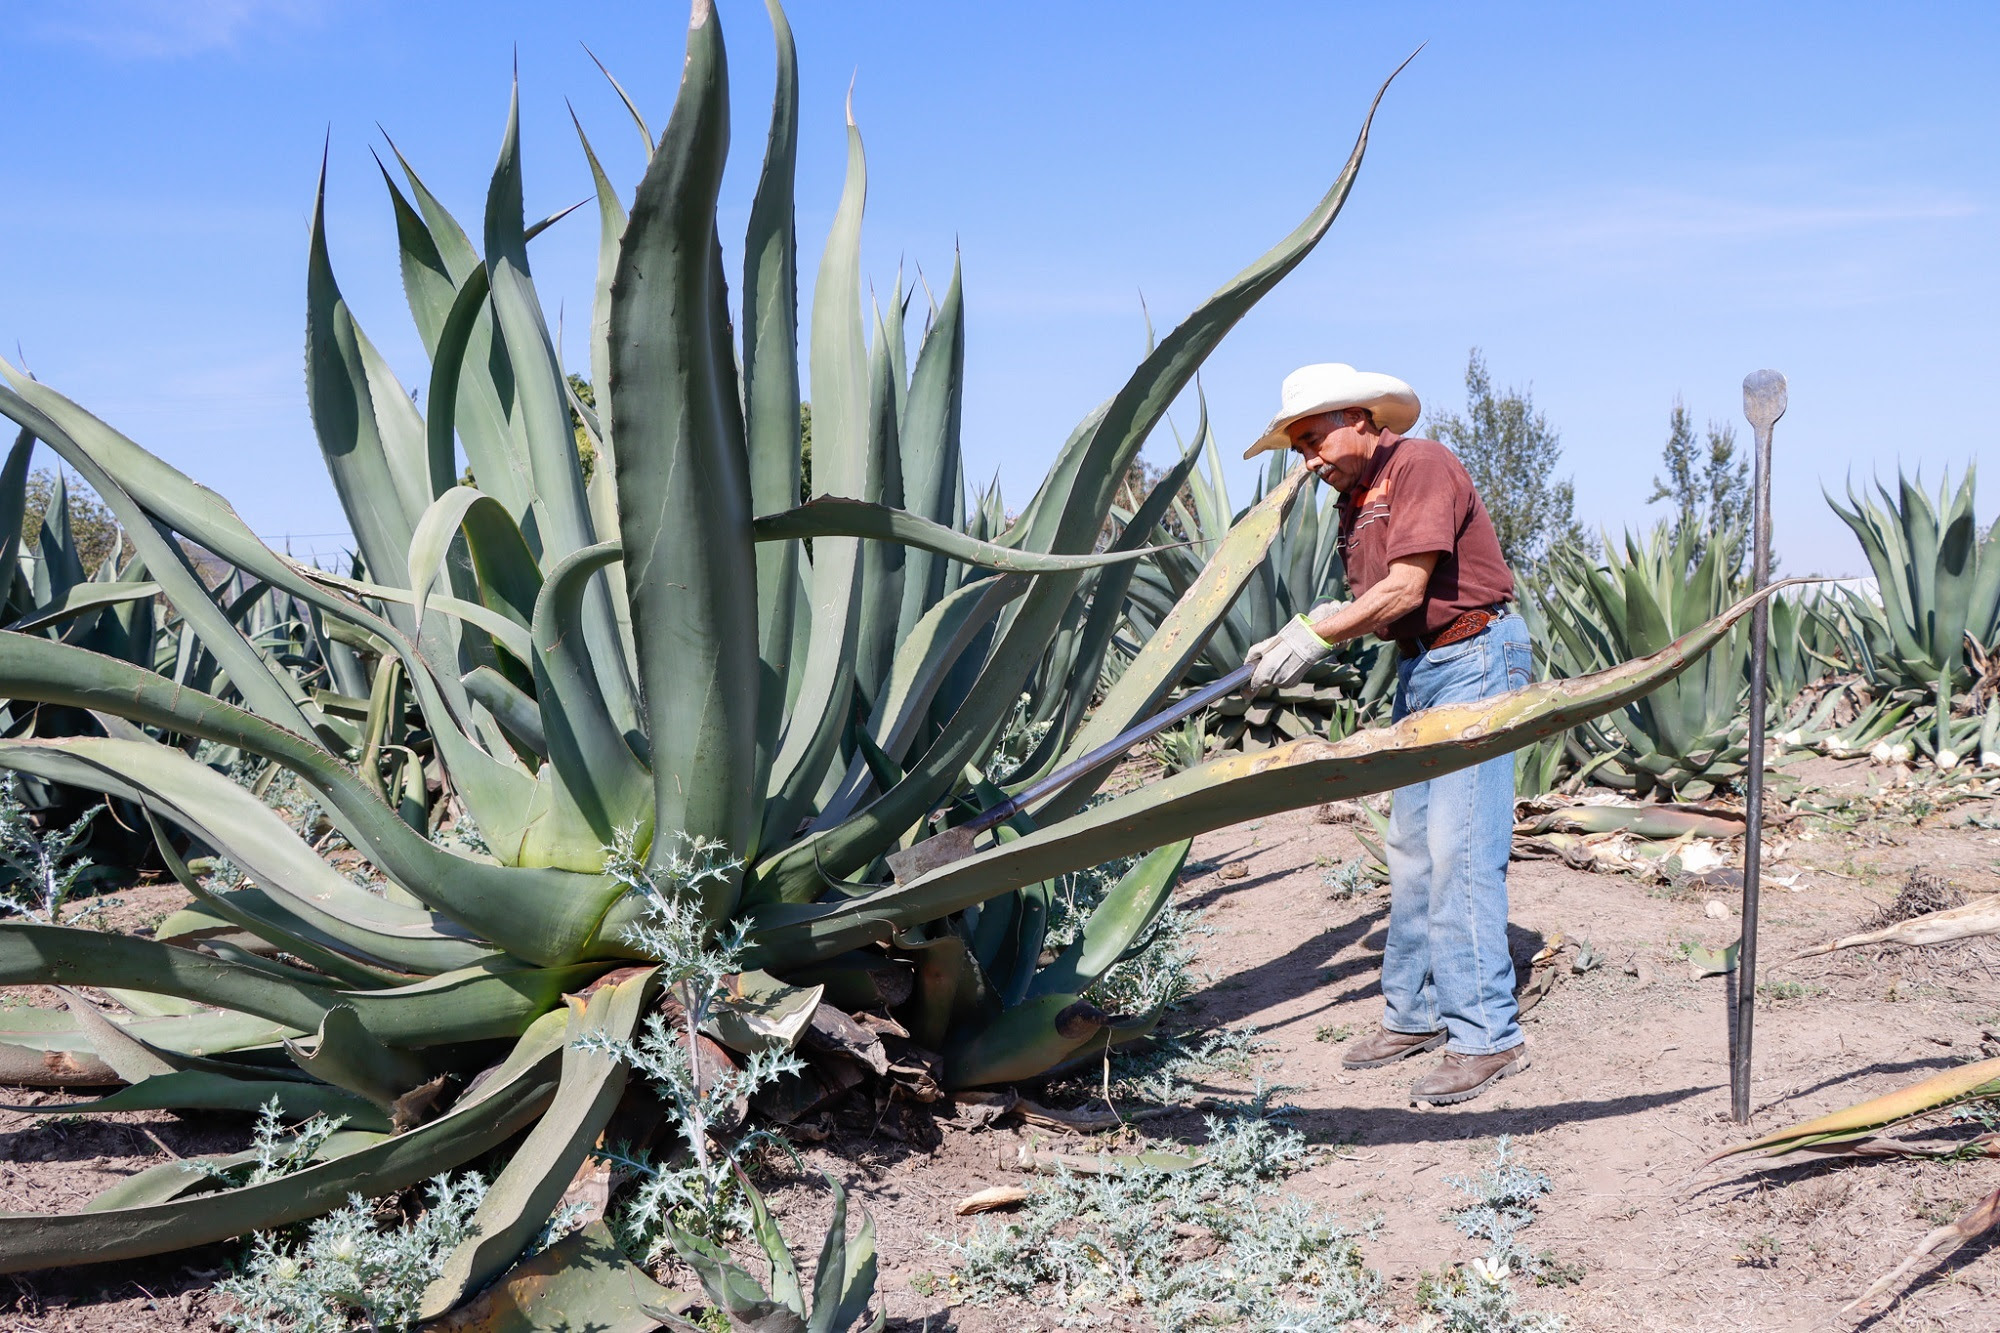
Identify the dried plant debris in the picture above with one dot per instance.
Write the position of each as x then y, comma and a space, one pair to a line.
1932, 919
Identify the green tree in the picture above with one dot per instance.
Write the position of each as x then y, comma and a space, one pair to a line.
97, 532
1709, 488
1511, 451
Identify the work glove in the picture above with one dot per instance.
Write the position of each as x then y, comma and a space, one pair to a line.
1283, 659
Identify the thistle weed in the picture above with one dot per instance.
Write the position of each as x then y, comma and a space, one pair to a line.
699, 1189
43, 869
348, 1272
1212, 1244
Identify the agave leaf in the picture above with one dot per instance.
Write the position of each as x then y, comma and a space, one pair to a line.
471, 1004
881, 562
514, 1094
930, 441
514, 708
1981, 916
583, 1281
526, 1191
761, 1012
505, 631
1117, 924
204, 1090
347, 1055
771, 388
509, 578
13, 507
276, 696
587, 748
541, 914
344, 414
81, 600
838, 516
839, 357
228, 817
1947, 1088
541, 414
1230, 789
1022, 1042
205, 1033
602, 489
683, 479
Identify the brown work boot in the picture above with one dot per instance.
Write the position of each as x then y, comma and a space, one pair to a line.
1460, 1078
1385, 1048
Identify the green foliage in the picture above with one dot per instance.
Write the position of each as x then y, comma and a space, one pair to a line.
1688, 738
1480, 1297
1099, 1244
698, 1192
1709, 489
43, 870
1511, 451
350, 1271
275, 1151
843, 1281
96, 535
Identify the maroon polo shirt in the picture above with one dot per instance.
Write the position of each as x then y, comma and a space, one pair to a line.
1415, 497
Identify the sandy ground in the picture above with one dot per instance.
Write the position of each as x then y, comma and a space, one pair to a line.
1627, 1094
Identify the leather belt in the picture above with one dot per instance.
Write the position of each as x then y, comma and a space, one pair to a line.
1468, 624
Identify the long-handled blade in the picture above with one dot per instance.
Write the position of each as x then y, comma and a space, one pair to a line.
956, 843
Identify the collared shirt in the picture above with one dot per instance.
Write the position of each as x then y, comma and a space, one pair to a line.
1415, 497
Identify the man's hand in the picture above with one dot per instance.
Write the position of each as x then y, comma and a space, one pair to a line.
1283, 659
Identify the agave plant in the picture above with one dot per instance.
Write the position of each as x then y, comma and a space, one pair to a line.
652, 660
1686, 740
1301, 570
1937, 578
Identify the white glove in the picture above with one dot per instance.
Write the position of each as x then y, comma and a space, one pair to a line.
1283, 659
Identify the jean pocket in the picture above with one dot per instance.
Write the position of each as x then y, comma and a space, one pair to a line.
1520, 659
1451, 652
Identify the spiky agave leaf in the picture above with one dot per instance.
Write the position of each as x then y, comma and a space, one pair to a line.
1940, 1090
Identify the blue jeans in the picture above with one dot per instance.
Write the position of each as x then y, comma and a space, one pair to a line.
1446, 963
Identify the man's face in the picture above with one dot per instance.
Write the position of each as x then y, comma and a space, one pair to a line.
1333, 449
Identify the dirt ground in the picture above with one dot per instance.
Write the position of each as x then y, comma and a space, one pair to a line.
1628, 1092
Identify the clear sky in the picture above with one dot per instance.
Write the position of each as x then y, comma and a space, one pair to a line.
1618, 203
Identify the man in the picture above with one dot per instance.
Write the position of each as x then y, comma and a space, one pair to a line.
1427, 574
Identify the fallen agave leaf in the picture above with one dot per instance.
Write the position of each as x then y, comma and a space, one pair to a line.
991, 1200
1981, 1218
1940, 1090
1706, 962
1981, 916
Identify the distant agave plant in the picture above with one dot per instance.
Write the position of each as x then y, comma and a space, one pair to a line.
1687, 739
651, 661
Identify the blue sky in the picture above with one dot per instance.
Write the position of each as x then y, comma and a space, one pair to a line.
1618, 203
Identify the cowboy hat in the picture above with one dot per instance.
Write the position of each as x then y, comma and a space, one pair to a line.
1330, 386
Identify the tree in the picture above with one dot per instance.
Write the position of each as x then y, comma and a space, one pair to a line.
1511, 452
1710, 494
96, 532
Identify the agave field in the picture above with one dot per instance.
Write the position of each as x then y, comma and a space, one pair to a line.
529, 871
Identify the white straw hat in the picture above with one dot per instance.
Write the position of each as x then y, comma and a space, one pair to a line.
1330, 386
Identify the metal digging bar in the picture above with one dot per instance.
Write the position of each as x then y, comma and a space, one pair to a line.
955, 843
1763, 404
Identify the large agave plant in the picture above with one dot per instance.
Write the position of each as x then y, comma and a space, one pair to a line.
652, 659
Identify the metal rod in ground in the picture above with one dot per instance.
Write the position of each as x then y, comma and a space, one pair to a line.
1763, 404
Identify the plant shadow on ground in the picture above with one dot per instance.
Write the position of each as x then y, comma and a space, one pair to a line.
86, 1140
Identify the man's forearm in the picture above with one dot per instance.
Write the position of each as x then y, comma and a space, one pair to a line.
1370, 613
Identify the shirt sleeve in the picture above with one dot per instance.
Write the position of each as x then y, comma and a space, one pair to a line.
1431, 499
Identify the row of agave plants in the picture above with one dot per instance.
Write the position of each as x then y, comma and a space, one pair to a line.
1904, 672
535, 695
